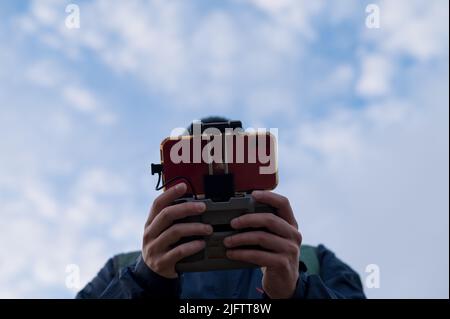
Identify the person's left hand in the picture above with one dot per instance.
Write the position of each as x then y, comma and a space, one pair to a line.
280, 264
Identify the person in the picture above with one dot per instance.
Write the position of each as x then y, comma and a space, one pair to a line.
150, 273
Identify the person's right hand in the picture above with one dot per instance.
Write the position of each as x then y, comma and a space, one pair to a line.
160, 233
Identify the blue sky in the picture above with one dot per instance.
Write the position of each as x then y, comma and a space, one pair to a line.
362, 118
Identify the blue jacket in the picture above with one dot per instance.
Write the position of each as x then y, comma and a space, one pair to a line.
337, 280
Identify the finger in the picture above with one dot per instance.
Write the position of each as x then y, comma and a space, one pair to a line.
264, 239
171, 213
184, 250
279, 202
271, 222
178, 231
165, 199
258, 257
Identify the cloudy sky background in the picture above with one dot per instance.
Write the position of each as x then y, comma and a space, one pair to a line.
363, 119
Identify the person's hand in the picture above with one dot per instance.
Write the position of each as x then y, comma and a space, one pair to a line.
160, 233
280, 264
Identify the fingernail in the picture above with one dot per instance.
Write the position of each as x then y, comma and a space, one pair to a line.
208, 229
227, 241
181, 187
202, 243
257, 193
200, 207
234, 223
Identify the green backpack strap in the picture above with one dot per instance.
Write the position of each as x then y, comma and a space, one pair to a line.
124, 260
308, 255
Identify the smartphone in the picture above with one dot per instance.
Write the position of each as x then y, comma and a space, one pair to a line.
251, 158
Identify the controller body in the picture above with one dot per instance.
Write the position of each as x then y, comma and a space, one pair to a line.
219, 216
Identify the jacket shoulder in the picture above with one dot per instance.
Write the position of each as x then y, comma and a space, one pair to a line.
124, 260
107, 273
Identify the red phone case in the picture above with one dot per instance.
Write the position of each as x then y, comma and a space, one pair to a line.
262, 174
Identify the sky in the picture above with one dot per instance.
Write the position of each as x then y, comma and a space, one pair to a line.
362, 117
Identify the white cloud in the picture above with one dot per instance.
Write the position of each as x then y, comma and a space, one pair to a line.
295, 15
41, 201
45, 73
99, 182
389, 113
376, 76
86, 102
338, 81
45, 12
331, 139
193, 64
415, 28
44, 247
390, 202
270, 101
81, 99
54, 77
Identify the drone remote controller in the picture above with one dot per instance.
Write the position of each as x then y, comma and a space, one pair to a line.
219, 216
